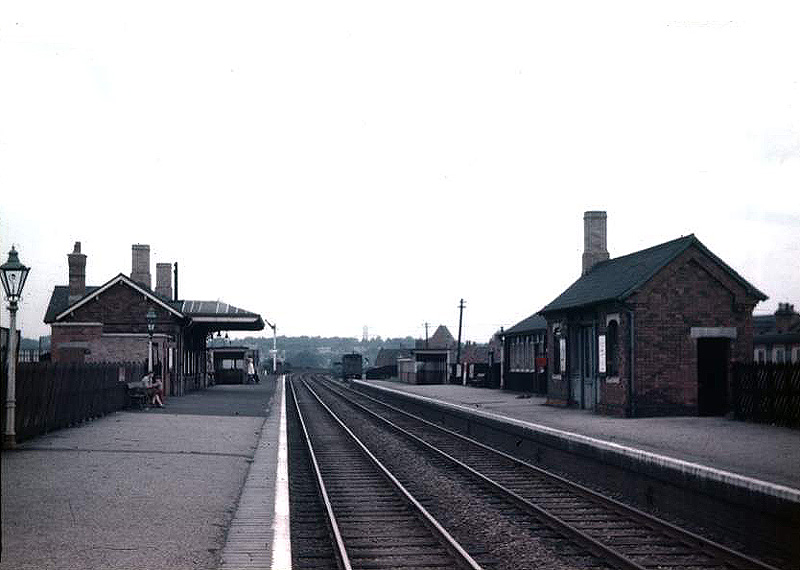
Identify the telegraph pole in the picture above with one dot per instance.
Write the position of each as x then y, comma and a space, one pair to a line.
460, 315
426, 335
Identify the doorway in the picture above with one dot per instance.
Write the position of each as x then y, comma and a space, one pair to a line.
713, 356
587, 368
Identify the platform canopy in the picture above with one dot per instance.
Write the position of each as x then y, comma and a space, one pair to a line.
213, 316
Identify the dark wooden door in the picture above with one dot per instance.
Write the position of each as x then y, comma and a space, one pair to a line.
712, 376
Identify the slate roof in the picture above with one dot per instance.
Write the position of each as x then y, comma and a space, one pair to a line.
389, 356
535, 322
59, 301
776, 338
764, 324
214, 312
211, 309
441, 338
618, 278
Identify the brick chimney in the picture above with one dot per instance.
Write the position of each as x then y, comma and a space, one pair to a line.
140, 266
594, 239
164, 280
785, 318
77, 273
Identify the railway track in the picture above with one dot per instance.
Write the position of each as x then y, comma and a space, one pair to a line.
611, 532
369, 518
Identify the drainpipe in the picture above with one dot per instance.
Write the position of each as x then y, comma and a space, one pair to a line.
502, 359
595, 364
176, 281
631, 365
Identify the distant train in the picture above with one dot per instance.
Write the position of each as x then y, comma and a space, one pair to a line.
351, 366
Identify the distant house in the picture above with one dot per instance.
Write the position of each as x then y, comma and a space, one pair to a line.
525, 351
649, 333
474, 364
777, 337
108, 322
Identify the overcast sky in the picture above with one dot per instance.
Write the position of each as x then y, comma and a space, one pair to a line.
332, 165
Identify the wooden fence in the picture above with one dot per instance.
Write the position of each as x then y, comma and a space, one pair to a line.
767, 393
53, 396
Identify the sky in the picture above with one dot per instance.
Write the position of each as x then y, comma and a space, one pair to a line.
335, 165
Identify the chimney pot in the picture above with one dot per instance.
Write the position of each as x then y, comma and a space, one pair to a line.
785, 318
140, 264
594, 239
77, 273
164, 280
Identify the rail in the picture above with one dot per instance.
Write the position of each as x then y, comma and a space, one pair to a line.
691, 541
460, 556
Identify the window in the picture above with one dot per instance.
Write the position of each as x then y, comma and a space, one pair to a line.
760, 355
612, 350
779, 355
573, 356
528, 364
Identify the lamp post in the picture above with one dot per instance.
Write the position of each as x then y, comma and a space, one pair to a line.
13, 275
151, 325
274, 350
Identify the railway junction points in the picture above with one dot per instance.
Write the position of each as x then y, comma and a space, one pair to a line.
113, 494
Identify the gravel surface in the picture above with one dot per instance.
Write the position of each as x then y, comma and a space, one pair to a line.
511, 539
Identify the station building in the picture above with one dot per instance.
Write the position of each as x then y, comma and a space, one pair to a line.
650, 333
525, 355
107, 323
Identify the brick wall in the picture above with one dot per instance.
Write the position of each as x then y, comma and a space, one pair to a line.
122, 309
69, 341
118, 349
691, 292
558, 388
614, 389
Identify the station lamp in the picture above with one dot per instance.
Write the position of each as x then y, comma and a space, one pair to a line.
151, 326
13, 275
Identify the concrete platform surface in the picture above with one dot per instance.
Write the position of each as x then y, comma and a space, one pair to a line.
755, 451
136, 489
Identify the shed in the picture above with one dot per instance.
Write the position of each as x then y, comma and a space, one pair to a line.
649, 333
230, 363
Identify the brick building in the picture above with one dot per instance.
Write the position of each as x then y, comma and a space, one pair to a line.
777, 337
525, 355
650, 333
107, 323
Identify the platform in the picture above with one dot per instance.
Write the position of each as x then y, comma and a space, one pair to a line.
169, 488
753, 455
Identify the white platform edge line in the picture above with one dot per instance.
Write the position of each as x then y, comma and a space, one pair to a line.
686, 466
281, 538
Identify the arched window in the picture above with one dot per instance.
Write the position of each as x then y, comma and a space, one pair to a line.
612, 349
